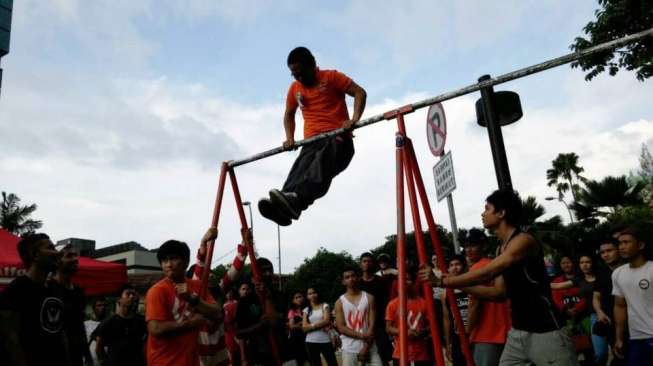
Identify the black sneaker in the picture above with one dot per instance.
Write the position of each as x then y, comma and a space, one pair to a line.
271, 212
286, 202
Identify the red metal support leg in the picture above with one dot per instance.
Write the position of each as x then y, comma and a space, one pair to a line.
427, 291
401, 253
214, 223
268, 307
437, 246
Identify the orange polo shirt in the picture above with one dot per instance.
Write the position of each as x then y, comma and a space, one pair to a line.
323, 105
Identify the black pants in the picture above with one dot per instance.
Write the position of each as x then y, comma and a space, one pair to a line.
315, 167
324, 349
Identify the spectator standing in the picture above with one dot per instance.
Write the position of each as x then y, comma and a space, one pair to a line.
568, 300
90, 325
355, 315
123, 334
489, 311
375, 286
453, 350
418, 345
74, 303
229, 307
296, 335
633, 292
32, 311
174, 312
535, 336
255, 321
316, 321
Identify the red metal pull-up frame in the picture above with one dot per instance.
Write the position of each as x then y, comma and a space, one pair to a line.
247, 241
407, 168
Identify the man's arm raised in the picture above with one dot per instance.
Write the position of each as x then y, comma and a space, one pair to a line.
360, 98
289, 127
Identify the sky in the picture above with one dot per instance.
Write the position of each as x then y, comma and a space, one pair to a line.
116, 115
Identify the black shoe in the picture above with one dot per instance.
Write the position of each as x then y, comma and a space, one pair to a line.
286, 202
271, 212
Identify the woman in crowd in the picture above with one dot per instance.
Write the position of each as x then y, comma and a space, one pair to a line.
296, 334
316, 320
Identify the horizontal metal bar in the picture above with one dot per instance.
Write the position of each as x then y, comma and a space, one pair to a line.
459, 92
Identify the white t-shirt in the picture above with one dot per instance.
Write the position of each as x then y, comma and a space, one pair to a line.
636, 286
90, 326
318, 335
356, 319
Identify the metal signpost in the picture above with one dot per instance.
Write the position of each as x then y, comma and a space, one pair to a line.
445, 181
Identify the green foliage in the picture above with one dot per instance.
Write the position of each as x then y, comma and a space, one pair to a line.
531, 211
616, 19
565, 174
323, 273
601, 198
390, 245
16, 218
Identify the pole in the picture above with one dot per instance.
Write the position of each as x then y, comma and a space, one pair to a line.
454, 226
496, 137
529, 70
279, 257
214, 223
401, 248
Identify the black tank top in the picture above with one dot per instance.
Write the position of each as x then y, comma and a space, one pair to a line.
529, 289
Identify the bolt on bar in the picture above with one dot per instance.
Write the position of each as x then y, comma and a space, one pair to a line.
459, 92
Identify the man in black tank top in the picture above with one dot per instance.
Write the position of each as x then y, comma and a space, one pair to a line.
536, 335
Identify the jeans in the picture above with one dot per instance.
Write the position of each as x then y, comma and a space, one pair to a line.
487, 354
600, 344
324, 349
640, 352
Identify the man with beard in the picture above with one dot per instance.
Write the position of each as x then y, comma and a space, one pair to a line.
320, 94
74, 303
31, 311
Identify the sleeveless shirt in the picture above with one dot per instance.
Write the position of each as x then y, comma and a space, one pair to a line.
356, 318
529, 290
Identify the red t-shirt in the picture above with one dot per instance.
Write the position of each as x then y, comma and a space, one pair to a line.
323, 105
417, 348
163, 304
568, 298
494, 320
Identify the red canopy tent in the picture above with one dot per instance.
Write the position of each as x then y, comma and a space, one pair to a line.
95, 277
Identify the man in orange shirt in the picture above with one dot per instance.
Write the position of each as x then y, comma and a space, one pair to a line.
320, 94
174, 312
489, 314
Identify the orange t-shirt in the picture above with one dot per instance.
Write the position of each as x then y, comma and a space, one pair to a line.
323, 105
494, 320
162, 304
417, 348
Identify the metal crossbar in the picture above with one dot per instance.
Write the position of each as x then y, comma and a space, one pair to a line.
459, 92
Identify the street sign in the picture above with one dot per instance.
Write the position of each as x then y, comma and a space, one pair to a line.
436, 129
445, 181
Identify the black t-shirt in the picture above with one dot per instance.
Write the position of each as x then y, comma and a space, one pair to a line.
248, 313
377, 288
40, 310
586, 290
74, 303
603, 285
124, 339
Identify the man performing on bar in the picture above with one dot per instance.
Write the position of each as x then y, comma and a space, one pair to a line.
320, 94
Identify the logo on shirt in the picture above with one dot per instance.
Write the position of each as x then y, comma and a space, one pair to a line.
644, 284
52, 315
357, 319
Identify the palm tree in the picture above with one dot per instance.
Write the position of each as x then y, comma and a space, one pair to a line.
612, 193
565, 174
531, 211
15, 218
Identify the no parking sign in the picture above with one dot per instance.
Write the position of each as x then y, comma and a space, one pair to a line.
436, 129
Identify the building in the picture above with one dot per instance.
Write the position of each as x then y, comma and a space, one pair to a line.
138, 259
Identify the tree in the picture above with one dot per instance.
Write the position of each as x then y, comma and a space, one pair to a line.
616, 19
565, 174
16, 218
611, 193
390, 245
323, 273
531, 211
